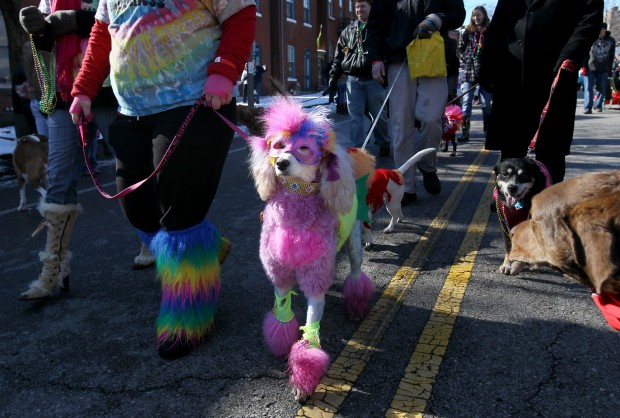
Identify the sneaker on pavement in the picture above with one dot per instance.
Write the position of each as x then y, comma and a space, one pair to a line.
431, 181
587, 112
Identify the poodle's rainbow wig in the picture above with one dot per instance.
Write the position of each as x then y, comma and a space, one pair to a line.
286, 118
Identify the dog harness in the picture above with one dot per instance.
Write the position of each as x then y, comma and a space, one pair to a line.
382, 176
510, 216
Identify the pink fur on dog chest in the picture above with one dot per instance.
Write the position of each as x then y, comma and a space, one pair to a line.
294, 248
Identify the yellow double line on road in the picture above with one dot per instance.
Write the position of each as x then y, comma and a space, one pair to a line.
416, 385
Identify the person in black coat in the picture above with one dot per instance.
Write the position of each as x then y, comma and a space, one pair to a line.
527, 43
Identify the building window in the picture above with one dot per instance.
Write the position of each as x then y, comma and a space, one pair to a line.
258, 7
290, 9
340, 9
307, 71
291, 62
307, 11
258, 55
330, 8
350, 6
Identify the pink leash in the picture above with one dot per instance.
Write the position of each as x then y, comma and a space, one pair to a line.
83, 130
566, 65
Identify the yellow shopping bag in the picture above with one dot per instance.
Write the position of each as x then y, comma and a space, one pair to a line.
427, 57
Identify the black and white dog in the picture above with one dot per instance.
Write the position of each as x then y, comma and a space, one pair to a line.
517, 181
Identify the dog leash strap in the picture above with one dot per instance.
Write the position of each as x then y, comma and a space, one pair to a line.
462, 94
232, 126
376, 117
566, 65
83, 131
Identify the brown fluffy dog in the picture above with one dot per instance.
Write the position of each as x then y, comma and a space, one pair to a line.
575, 229
30, 165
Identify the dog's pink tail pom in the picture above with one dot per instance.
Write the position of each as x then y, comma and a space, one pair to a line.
280, 336
306, 367
357, 295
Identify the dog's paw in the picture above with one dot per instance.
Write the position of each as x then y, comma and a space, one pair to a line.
504, 269
512, 269
517, 267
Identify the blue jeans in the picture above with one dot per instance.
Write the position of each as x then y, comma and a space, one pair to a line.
600, 80
66, 159
469, 98
362, 96
39, 119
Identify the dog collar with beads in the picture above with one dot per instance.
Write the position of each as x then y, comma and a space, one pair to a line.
300, 187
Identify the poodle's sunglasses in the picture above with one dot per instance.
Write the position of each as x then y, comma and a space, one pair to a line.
305, 150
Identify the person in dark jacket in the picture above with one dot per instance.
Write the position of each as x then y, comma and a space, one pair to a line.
597, 70
259, 70
363, 92
392, 25
529, 42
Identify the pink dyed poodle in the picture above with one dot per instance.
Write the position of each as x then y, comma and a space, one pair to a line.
308, 183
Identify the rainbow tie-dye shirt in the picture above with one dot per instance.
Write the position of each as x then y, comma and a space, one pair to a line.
161, 48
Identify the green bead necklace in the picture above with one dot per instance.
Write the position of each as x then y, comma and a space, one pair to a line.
46, 78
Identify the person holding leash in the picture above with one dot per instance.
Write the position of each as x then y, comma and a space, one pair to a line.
59, 31
158, 80
392, 25
528, 43
364, 95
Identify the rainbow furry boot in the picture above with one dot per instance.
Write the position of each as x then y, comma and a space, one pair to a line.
188, 264
307, 362
280, 326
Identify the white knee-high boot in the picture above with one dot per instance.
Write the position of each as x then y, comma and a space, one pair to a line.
59, 220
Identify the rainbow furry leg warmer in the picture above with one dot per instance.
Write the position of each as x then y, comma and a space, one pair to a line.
188, 264
146, 237
280, 326
307, 362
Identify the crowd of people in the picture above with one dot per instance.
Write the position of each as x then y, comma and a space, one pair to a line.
85, 67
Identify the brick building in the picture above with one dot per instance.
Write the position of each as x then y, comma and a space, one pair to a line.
295, 38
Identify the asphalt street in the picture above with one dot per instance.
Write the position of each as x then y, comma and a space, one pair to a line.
448, 335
